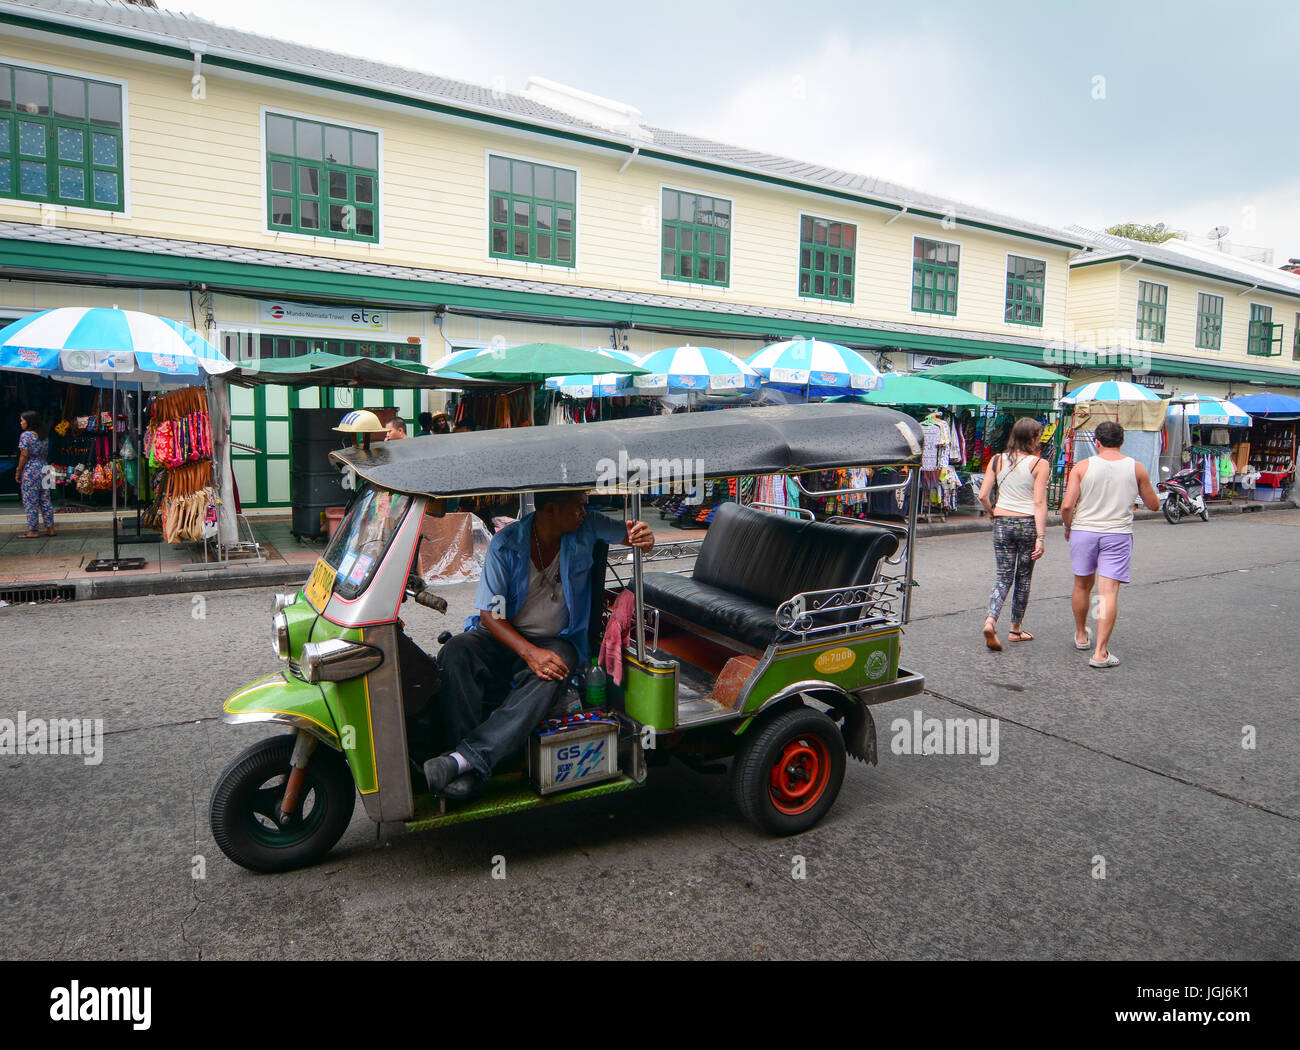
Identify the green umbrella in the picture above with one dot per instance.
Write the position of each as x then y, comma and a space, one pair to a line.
992, 370
536, 362
897, 389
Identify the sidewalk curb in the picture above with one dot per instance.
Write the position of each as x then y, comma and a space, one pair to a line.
984, 524
127, 585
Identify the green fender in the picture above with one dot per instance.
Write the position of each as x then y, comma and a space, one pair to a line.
318, 709
278, 698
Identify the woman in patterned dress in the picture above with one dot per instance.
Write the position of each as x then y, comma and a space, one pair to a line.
33, 458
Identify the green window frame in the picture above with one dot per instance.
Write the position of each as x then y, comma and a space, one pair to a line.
827, 262
1265, 337
696, 238
1209, 321
532, 212
322, 179
1026, 284
283, 346
935, 267
61, 139
1152, 310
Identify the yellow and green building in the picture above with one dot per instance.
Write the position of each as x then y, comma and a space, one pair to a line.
283, 198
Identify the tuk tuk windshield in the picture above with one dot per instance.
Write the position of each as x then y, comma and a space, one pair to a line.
363, 537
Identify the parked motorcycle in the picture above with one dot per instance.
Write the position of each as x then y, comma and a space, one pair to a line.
1183, 495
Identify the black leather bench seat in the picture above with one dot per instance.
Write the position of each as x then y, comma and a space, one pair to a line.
752, 561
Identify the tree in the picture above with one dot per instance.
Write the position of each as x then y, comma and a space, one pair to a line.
1136, 231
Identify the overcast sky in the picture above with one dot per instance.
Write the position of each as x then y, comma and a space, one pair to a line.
1064, 111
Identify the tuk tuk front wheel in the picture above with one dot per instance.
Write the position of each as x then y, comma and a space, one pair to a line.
787, 773
245, 813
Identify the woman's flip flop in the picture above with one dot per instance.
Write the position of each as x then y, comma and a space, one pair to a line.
991, 639
1019, 636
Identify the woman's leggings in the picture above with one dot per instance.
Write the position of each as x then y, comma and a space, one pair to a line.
36, 497
1014, 537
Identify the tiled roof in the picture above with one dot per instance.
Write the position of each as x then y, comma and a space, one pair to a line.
1186, 256
179, 29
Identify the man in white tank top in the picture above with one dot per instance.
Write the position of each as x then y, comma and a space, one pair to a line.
1097, 512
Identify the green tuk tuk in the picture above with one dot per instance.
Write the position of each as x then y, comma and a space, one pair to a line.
770, 650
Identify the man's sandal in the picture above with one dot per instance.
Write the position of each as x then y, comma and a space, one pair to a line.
1087, 632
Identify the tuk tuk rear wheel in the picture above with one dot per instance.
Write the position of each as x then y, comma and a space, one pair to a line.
245, 810
788, 772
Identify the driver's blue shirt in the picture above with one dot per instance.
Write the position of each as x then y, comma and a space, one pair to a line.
505, 573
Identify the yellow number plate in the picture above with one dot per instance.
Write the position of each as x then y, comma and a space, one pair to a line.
321, 585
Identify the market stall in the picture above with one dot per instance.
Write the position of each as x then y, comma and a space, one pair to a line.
947, 415
1273, 443
98, 346
314, 485
589, 398
1014, 389
1214, 435
1140, 411
519, 373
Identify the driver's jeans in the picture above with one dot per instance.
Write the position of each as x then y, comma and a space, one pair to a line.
477, 669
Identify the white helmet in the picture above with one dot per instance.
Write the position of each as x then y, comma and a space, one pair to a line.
360, 422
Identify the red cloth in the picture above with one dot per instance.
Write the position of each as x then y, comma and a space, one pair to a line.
1272, 477
617, 631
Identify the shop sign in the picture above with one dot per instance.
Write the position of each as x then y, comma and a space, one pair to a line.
920, 362
1155, 382
347, 319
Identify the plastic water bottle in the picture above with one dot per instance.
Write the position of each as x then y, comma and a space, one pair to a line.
595, 685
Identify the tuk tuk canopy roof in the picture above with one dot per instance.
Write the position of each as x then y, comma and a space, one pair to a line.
726, 443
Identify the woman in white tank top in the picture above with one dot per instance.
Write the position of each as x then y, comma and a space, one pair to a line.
1019, 525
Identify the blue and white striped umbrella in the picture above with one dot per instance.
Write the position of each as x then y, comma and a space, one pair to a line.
447, 363
76, 342
1110, 390
608, 384
703, 368
813, 364
1206, 410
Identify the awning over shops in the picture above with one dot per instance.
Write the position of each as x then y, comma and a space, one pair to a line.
322, 369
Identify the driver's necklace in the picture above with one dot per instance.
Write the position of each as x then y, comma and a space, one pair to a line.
552, 582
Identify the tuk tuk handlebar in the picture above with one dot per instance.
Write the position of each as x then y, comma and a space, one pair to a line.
431, 601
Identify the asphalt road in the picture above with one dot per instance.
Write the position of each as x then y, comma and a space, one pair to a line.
1139, 769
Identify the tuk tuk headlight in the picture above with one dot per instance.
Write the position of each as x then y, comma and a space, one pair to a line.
280, 635
281, 600
338, 660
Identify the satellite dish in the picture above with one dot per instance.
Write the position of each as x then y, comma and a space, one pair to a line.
1218, 233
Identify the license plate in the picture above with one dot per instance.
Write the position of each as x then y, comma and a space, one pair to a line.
320, 586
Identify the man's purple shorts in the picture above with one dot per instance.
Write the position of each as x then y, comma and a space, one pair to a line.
1105, 553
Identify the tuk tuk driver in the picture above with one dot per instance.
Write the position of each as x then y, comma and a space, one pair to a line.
529, 634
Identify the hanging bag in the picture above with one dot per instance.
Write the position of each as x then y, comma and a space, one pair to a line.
993, 490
